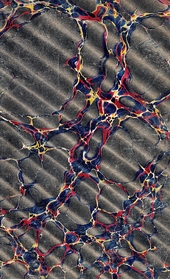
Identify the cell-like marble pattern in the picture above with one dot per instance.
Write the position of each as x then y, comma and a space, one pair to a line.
85, 136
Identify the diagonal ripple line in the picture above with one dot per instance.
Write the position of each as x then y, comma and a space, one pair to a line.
51, 87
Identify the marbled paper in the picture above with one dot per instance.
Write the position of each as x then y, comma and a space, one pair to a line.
85, 151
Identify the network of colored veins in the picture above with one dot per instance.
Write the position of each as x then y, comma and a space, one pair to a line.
81, 166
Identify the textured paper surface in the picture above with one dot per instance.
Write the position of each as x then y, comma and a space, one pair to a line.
85, 148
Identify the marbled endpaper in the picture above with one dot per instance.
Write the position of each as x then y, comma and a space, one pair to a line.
85, 150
